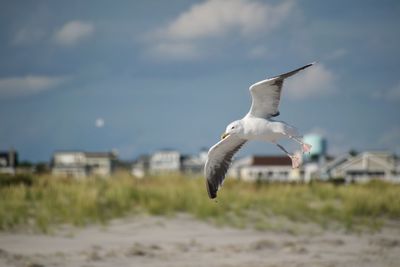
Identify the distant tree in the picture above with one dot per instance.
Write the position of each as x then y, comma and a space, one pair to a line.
25, 163
353, 152
42, 168
123, 164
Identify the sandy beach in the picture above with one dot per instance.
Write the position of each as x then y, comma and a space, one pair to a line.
184, 241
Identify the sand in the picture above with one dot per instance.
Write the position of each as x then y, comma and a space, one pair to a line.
184, 241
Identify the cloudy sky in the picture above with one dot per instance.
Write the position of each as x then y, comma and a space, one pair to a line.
137, 76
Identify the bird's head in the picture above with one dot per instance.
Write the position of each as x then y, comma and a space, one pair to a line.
234, 128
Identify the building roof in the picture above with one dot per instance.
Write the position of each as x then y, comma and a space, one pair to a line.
367, 160
271, 160
100, 154
167, 150
88, 154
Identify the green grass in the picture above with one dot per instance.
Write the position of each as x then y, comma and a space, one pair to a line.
48, 201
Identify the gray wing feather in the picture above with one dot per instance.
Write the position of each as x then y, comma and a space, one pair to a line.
218, 162
266, 95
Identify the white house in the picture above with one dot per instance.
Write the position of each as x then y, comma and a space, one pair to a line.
141, 166
169, 161
100, 163
364, 167
264, 168
165, 161
81, 164
8, 161
194, 164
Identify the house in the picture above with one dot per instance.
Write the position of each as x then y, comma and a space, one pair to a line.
364, 166
264, 168
194, 164
82, 164
100, 163
8, 161
165, 161
141, 166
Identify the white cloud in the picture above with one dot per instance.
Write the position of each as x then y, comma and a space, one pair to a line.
319, 131
313, 82
258, 52
28, 85
336, 54
216, 19
28, 36
391, 95
175, 51
73, 32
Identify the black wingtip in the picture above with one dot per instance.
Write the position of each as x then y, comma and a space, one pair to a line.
290, 73
211, 190
306, 66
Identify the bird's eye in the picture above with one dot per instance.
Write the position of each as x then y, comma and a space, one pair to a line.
233, 127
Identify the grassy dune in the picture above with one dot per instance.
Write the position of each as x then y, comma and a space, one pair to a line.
47, 201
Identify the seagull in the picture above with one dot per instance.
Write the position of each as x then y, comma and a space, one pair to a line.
258, 124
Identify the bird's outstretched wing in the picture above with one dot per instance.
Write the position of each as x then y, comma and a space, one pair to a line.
267, 93
218, 161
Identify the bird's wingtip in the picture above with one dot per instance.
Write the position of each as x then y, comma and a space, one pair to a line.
290, 73
309, 65
212, 193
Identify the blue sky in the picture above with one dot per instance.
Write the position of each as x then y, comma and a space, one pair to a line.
137, 76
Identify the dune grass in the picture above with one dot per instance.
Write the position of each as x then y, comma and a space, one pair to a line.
49, 201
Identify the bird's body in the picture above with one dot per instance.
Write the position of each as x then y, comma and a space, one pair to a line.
268, 130
258, 124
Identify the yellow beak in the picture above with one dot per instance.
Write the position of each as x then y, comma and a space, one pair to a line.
224, 135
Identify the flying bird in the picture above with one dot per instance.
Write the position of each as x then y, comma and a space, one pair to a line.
258, 124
